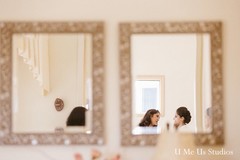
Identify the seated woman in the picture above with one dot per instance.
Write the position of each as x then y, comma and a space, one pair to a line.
182, 118
150, 118
77, 117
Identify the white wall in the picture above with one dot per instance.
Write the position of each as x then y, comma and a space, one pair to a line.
40, 108
112, 12
174, 57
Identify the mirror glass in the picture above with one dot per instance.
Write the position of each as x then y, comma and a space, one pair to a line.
52, 79
167, 65
182, 63
46, 67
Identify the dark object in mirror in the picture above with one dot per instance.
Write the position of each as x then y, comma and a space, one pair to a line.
77, 117
58, 104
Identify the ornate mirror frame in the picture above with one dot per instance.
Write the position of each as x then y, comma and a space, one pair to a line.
7, 29
125, 32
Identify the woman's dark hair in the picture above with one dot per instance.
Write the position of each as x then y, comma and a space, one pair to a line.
184, 112
146, 121
77, 117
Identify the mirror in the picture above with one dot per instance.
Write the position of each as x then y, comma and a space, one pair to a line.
186, 69
46, 66
168, 65
55, 68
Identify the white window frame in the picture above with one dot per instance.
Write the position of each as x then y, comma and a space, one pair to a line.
144, 82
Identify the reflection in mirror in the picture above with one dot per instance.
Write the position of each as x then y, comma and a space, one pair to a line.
46, 66
148, 94
186, 68
188, 57
47, 70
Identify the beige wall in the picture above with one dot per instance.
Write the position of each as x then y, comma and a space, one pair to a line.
112, 12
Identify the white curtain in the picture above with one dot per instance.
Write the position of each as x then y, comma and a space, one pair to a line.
33, 48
